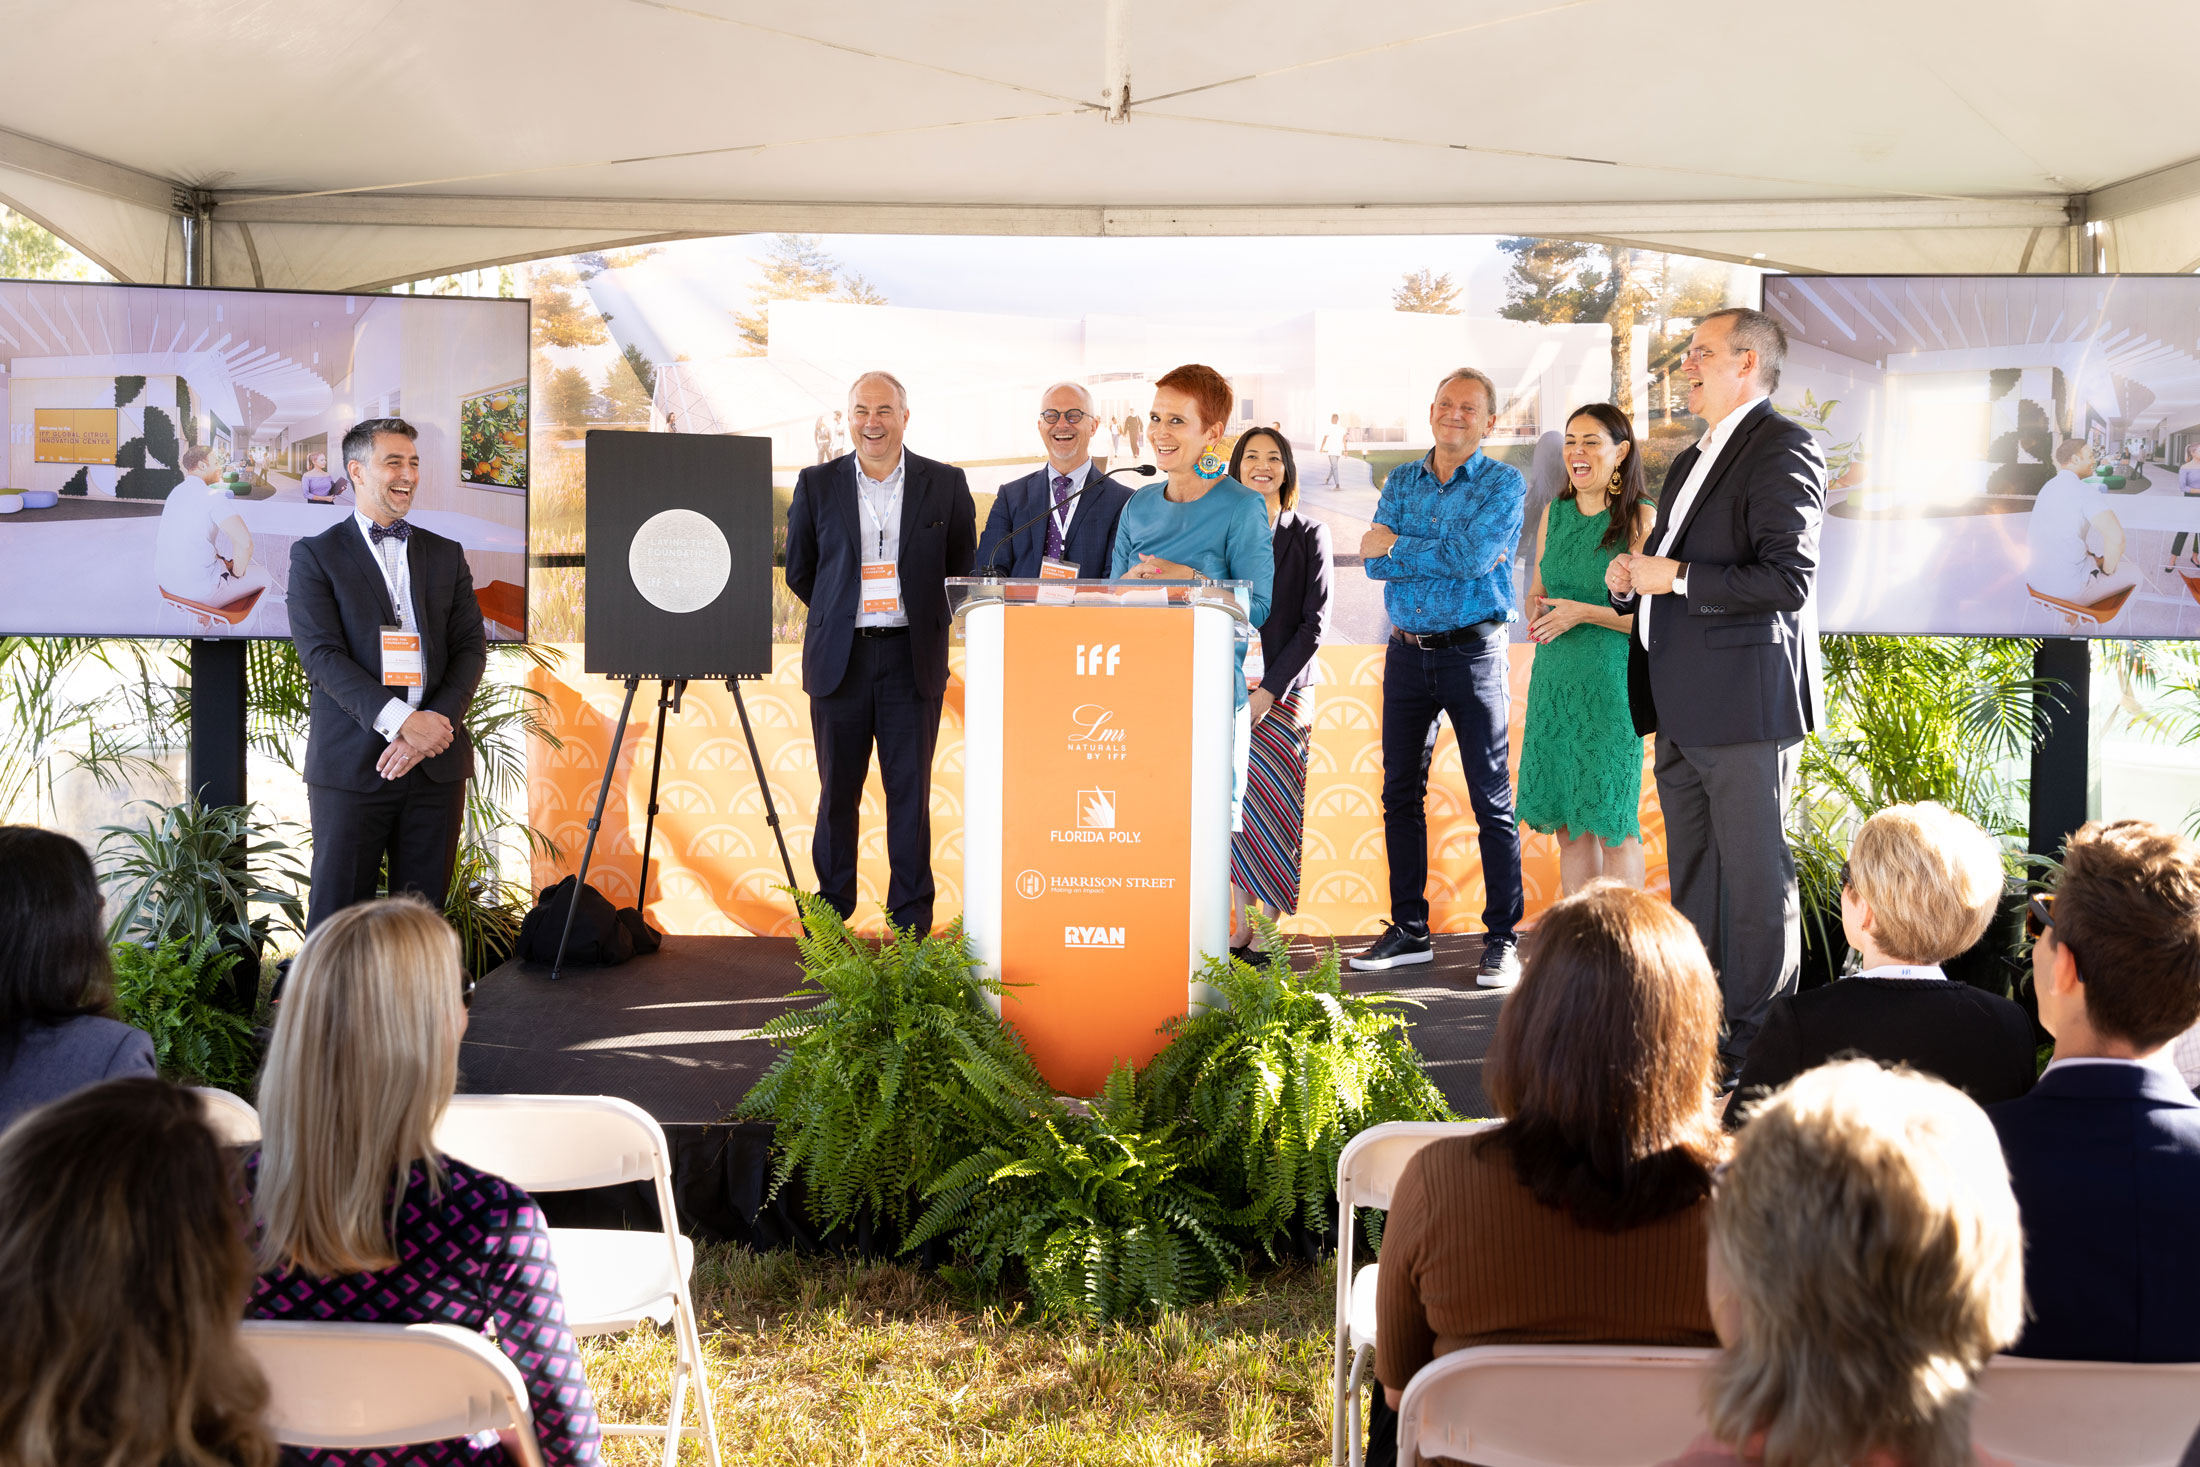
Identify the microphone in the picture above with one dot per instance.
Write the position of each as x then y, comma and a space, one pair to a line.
993, 564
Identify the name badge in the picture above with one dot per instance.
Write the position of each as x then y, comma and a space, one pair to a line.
403, 664
881, 588
1051, 569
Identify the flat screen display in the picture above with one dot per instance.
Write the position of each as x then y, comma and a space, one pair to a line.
2007, 455
108, 391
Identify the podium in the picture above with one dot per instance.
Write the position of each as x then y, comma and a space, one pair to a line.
1098, 759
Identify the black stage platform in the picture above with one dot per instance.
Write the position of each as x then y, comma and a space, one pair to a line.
675, 1032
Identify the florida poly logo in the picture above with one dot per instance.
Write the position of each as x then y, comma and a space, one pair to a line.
1092, 937
1096, 809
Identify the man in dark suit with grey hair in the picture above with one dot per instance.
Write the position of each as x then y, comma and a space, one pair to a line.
385, 621
1724, 666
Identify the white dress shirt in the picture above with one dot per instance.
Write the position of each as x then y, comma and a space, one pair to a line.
1929, 972
878, 510
1713, 440
393, 556
2161, 1061
1066, 516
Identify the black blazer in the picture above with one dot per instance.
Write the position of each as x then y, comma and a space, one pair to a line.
1979, 1042
1736, 660
1091, 542
339, 604
825, 553
2105, 1162
1298, 604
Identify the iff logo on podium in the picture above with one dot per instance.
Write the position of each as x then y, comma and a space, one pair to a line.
1099, 659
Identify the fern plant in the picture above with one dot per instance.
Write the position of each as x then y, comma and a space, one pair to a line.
1270, 1086
1100, 1211
168, 991
894, 1078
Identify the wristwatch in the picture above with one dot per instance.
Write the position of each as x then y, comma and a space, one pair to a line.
1680, 580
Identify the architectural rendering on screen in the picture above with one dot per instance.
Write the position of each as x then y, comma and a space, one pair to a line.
166, 447
2007, 455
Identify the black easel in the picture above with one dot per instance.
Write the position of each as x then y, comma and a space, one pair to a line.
669, 693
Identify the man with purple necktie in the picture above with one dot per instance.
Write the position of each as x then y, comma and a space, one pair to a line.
1051, 519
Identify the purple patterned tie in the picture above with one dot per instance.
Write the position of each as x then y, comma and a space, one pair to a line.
1054, 517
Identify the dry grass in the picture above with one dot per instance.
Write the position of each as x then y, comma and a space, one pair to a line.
822, 1360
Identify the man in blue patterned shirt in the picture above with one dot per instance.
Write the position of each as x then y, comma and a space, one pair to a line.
1442, 545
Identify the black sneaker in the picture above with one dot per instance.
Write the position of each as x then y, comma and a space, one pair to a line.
1400, 944
1500, 964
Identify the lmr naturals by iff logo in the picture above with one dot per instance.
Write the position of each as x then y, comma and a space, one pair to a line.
1099, 659
1092, 937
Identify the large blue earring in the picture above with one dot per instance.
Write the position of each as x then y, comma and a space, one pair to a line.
1211, 464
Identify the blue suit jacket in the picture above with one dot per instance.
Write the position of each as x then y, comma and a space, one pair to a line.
1091, 542
2105, 1160
825, 564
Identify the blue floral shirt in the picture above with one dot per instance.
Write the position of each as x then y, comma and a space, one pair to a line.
1452, 565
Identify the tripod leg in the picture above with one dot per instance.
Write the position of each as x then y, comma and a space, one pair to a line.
603, 792
667, 695
756, 762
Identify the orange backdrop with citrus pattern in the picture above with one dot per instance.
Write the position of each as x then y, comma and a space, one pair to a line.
715, 869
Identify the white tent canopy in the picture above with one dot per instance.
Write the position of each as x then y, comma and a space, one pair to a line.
344, 147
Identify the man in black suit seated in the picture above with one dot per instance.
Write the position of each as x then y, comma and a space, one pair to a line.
1724, 667
1052, 526
1919, 887
872, 537
385, 622
2104, 1154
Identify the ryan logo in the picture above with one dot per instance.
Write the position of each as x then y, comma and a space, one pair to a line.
1092, 937
1099, 659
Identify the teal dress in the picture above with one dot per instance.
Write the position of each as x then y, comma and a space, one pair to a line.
1223, 534
1580, 759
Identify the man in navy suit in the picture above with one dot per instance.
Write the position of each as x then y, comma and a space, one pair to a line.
872, 537
1049, 524
2104, 1154
387, 628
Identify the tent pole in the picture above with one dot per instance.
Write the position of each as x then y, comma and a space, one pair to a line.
217, 752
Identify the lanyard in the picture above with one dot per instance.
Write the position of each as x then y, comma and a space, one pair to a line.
893, 506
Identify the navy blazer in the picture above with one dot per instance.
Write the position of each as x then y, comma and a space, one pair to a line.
49, 1061
1736, 660
825, 554
338, 605
2105, 1162
1091, 542
1298, 603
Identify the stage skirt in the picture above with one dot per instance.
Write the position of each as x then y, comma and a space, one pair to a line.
1264, 854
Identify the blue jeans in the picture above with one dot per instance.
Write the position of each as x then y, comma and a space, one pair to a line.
1469, 683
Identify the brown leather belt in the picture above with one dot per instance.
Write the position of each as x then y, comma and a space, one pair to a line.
1438, 641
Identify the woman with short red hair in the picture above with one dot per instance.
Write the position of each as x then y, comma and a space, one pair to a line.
1201, 525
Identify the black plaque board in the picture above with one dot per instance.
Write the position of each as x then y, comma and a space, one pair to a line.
679, 578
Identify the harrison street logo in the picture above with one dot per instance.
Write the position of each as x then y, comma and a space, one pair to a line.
1092, 937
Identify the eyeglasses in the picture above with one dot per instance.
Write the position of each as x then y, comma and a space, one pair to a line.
1071, 416
1695, 354
2039, 915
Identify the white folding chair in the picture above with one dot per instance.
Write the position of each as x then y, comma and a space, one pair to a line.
2085, 1413
611, 1280
234, 1122
1554, 1405
1367, 1173
358, 1386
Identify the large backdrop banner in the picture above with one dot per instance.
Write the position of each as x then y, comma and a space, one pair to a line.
715, 869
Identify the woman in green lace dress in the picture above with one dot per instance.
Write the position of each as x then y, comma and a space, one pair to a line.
1581, 759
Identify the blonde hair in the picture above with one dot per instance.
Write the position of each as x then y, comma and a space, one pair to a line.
1931, 878
123, 1264
1871, 1239
364, 1061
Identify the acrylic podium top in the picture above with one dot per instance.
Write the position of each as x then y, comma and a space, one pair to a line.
964, 592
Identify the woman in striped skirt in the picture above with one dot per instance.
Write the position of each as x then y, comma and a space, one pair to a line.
1264, 854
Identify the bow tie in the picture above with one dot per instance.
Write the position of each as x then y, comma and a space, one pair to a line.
394, 530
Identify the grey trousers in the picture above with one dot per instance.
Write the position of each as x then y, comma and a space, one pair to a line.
1732, 873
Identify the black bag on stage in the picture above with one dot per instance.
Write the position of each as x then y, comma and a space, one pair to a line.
601, 936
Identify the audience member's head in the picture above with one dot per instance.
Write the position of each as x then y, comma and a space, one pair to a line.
2117, 967
53, 937
1865, 1264
1605, 1060
1922, 885
364, 1061
124, 1268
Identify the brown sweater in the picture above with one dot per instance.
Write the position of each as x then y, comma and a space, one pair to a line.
1471, 1258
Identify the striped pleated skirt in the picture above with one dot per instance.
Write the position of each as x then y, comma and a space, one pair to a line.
1264, 854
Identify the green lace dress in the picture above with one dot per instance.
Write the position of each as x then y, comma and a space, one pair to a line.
1580, 758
